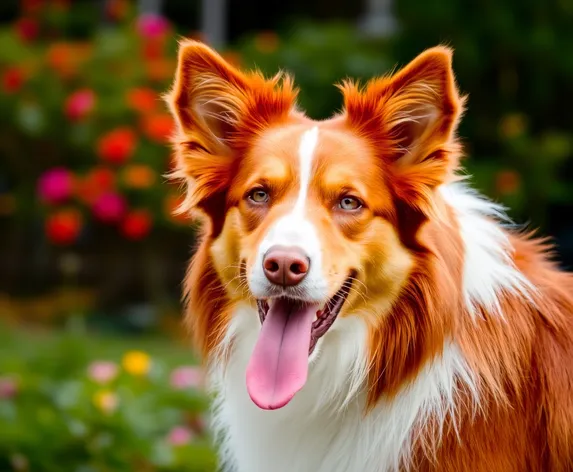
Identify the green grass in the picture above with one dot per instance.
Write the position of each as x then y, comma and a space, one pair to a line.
55, 420
95, 345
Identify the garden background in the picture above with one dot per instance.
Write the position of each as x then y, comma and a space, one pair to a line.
95, 371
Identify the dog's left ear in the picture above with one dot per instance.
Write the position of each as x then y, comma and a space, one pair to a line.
411, 118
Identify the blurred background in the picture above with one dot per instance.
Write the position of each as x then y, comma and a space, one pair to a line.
96, 373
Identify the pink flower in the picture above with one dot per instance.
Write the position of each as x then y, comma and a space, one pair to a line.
150, 25
179, 436
109, 207
55, 185
186, 377
79, 104
8, 387
102, 371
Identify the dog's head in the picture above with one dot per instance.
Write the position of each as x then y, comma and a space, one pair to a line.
309, 221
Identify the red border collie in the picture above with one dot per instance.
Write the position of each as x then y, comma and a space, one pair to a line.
359, 307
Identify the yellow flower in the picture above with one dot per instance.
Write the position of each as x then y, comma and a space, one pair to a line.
136, 363
513, 125
139, 176
105, 400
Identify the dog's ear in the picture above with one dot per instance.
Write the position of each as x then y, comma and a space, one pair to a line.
411, 117
218, 108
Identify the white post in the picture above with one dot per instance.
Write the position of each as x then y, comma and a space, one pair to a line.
213, 22
378, 20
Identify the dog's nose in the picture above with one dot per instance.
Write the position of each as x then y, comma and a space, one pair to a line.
285, 266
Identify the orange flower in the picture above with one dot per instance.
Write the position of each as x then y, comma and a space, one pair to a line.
267, 42
159, 70
142, 99
157, 127
139, 176
66, 58
63, 227
117, 146
117, 10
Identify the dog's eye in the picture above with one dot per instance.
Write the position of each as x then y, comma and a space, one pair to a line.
350, 203
259, 196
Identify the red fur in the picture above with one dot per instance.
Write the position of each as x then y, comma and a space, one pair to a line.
400, 133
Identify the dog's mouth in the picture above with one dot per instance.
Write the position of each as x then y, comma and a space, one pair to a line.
325, 316
290, 329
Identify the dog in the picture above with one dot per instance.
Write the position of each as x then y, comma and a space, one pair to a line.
358, 306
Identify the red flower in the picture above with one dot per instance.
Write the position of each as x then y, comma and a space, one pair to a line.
31, 6
79, 104
507, 182
117, 146
137, 224
109, 207
63, 227
27, 29
152, 49
12, 80
142, 99
98, 181
158, 127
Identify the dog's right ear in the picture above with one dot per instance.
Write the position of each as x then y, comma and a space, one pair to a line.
218, 109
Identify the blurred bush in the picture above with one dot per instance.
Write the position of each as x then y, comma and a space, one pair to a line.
68, 404
83, 130
319, 56
82, 121
512, 58
83, 141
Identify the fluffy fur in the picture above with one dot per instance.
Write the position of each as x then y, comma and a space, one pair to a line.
454, 349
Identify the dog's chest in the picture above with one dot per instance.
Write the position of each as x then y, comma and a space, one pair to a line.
324, 428
295, 438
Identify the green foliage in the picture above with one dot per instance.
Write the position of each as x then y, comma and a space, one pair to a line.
512, 59
318, 56
60, 417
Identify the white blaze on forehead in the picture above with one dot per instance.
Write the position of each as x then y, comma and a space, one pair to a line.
306, 153
293, 229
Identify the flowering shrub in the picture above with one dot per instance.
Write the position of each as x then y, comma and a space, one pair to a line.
64, 407
88, 118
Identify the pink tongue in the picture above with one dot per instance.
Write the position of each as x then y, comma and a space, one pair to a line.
279, 363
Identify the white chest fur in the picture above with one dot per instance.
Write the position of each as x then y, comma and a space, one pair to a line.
324, 429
